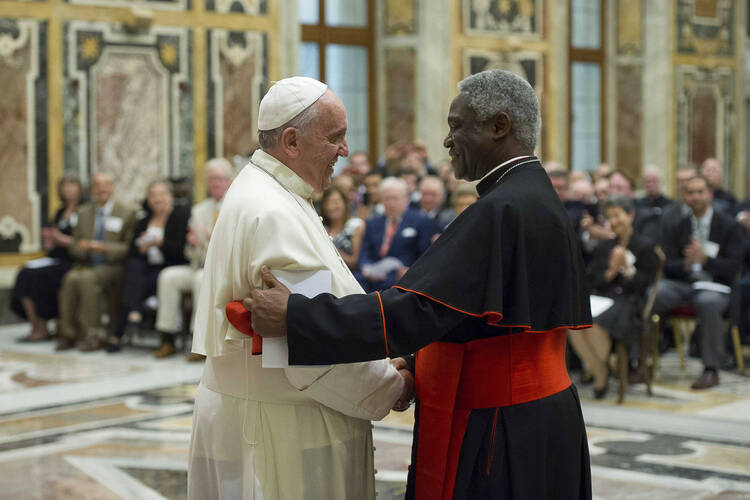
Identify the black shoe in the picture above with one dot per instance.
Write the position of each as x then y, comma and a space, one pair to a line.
113, 345
601, 393
708, 379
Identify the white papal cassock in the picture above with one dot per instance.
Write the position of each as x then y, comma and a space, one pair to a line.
264, 433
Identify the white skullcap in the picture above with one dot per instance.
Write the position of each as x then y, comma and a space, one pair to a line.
286, 99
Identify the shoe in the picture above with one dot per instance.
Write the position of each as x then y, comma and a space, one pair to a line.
601, 393
636, 376
165, 351
195, 357
112, 346
709, 378
91, 345
63, 344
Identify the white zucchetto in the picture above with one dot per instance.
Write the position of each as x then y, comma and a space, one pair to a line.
286, 99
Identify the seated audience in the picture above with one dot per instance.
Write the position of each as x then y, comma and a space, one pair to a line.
174, 281
723, 200
100, 245
620, 184
702, 250
358, 166
345, 232
432, 202
349, 186
678, 210
158, 242
399, 235
34, 295
621, 268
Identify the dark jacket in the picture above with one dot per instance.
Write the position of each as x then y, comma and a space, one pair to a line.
645, 265
175, 235
725, 231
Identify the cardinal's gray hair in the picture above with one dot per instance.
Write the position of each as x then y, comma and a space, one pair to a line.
496, 91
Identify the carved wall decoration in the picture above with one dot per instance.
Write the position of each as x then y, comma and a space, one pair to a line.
23, 155
252, 7
502, 17
705, 115
629, 119
178, 5
705, 27
400, 74
128, 104
400, 17
525, 64
630, 27
238, 77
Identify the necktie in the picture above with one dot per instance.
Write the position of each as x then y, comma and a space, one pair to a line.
390, 230
98, 235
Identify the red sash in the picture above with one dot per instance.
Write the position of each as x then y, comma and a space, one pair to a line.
454, 379
240, 318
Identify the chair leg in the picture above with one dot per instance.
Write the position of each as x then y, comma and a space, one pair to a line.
655, 345
622, 367
677, 331
738, 349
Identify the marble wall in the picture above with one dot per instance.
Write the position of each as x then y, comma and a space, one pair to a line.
400, 70
23, 153
501, 18
128, 104
238, 79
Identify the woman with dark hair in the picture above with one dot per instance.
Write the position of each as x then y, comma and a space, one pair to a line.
345, 232
622, 269
158, 242
34, 294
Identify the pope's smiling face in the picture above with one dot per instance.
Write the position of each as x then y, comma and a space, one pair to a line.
324, 141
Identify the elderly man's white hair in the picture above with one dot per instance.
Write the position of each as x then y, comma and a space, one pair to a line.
394, 182
220, 165
494, 91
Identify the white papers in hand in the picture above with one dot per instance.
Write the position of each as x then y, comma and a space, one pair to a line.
41, 262
711, 286
307, 283
599, 304
381, 268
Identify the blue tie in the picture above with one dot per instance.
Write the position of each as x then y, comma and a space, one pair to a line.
98, 259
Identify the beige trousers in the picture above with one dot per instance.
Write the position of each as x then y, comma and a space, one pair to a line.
172, 283
80, 300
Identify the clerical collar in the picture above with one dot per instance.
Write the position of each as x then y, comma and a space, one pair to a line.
493, 175
283, 174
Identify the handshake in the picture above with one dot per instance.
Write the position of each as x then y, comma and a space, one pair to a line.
407, 394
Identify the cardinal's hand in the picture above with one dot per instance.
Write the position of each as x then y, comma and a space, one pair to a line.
268, 307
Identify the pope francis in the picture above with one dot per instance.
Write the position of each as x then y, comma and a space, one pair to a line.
282, 433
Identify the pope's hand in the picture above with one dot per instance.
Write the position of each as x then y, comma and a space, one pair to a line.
268, 307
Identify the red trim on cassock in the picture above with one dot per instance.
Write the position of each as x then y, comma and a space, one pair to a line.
241, 319
493, 317
454, 379
385, 334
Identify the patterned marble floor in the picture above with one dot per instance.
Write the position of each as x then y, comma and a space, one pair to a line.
98, 426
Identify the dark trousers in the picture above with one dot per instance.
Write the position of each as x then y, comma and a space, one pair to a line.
140, 284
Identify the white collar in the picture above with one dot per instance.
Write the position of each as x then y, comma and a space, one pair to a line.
283, 174
502, 165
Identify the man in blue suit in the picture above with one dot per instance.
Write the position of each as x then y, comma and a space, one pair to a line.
394, 240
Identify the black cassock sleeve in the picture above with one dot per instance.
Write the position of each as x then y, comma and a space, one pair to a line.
329, 330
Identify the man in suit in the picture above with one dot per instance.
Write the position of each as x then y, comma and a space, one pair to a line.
432, 202
723, 200
173, 281
653, 198
100, 245
399, 233
703, 250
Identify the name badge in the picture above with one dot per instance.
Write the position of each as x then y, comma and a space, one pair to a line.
409, 232
711, 249
113, 224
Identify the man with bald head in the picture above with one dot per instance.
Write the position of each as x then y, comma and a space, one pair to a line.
100, 245
286, 433
723, 200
